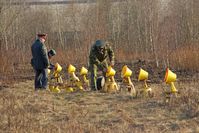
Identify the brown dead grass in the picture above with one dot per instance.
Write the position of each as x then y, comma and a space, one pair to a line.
23, 110
186, 57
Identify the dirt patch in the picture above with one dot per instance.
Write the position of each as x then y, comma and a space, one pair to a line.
156, 74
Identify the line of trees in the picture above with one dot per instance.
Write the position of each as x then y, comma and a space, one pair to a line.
138, 29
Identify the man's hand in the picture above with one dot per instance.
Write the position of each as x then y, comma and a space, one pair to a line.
51, 66
104, 69
112, 63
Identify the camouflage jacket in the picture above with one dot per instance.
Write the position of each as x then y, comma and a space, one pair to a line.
97, 58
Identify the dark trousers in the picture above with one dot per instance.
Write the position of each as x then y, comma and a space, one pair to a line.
41, 78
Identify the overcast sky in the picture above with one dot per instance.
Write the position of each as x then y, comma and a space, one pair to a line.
49, 0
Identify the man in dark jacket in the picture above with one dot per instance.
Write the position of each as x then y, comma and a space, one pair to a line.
40, 62
98, 59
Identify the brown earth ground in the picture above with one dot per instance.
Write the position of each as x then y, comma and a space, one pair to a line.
24, 110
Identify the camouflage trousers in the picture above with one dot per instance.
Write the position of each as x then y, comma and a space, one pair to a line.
94, 69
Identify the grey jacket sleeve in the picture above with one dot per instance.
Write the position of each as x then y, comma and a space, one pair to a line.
44, 55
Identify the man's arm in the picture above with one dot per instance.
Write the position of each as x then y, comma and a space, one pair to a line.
111, 55
92, 58
44, 56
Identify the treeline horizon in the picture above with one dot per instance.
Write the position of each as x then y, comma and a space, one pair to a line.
138, 29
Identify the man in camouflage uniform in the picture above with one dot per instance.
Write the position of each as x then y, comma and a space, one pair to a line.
40, 62
98, 59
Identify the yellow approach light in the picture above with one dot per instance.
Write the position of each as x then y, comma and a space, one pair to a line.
69, 89
48, 71
143, 75
110, 84
71, 69
83, 71
56, 79
74, 81
58, 68
170, 76
54, 89
126, 72
110, 72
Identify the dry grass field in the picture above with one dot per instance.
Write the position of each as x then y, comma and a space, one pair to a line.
24, 110
150, 34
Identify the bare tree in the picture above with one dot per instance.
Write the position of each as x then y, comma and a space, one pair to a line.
138, 29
